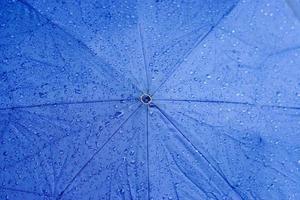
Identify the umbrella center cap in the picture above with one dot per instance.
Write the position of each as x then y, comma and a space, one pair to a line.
146, 99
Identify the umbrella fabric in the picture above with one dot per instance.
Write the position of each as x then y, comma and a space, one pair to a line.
161, 99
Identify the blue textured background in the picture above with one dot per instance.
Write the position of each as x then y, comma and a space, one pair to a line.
224, 122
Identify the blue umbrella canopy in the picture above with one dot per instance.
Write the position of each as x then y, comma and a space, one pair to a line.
149, 99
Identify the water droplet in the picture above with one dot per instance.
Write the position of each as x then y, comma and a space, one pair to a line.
118, 114
122, 191
42, 94
131, 152
278, 94
107, 123
132, 161
77, 91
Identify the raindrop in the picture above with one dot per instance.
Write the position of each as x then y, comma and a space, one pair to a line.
118, 114
88, 124
208, 76
107, 123
132, 161
77, 91
5, 153
42, 94
278, 94
156, 71
122, 191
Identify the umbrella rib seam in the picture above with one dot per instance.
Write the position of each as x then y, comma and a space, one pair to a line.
64, 103
25, 3
230, 102
148, 166
169, 168
93, 156
202, 155
144, 56
198, 42
26, 191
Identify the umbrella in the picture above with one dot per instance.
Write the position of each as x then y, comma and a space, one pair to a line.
149, 99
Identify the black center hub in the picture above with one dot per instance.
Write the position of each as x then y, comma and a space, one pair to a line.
146, 99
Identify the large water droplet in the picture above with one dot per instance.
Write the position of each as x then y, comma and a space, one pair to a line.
118, 114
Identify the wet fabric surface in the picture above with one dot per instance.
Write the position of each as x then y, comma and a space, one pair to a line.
185, 100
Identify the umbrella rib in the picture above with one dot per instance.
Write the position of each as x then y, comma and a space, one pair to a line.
24, 132
213, 128
281, 107
148, 165
46, 145
294, 6
169, 170
127, 180
23, 32
229, 102
56, 25
60, 174
205, 101
31, 59
64, 103
6, 126
240, 143
178, 64
46, 118
26, 191
192, 181
91, 51
32, 121
46, 177
198, 42
96, 153
220, 173
71, 36
283, 51
144, 56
